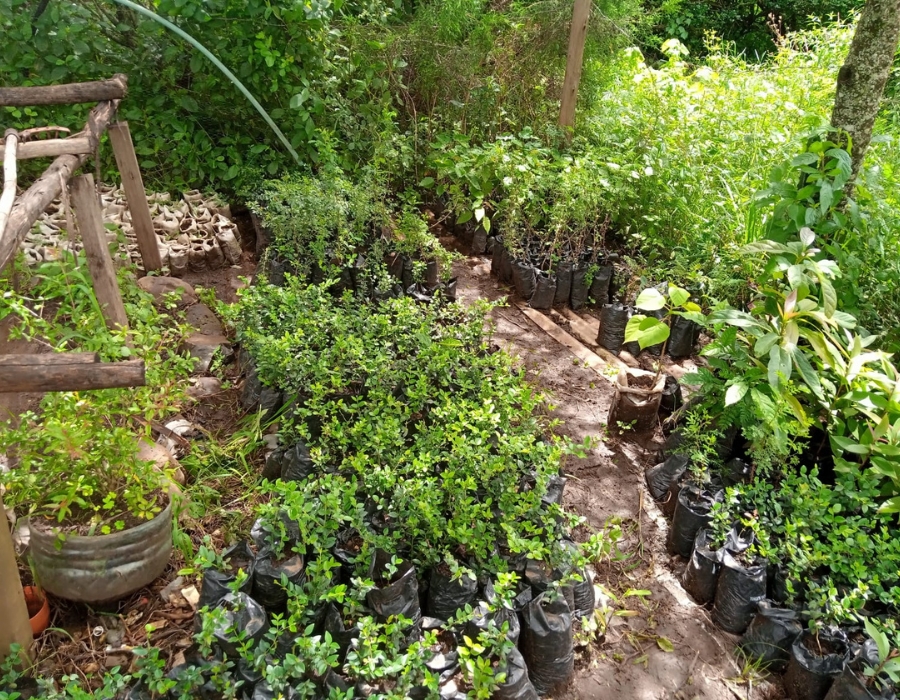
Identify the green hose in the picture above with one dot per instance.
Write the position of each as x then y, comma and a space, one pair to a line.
218, 64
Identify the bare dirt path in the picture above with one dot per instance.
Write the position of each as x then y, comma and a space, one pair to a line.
630, 661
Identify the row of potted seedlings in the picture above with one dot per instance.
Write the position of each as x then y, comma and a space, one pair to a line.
747, 595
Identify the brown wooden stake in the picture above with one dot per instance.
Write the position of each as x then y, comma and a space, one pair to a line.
68, 94
84, 377
577, 34
96, 248
126, 159
15, 627
48, 186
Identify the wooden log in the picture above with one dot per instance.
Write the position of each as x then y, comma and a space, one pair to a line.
133, 184
577, 35
48, 186
49, 358
14, 625
77, 145
84, 377
8, 197
68, 94
96, 249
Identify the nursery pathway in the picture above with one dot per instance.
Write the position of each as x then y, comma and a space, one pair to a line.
631, 661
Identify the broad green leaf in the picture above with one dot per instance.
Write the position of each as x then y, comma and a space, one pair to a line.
795, 276
650, 300
426, 182
741, 319
791, 335
677, 295
665, 644
479, 214
735, 393
764, 344
829, 296
891, 505
796, 407
826, 197
809, 375
807, 236
646, 330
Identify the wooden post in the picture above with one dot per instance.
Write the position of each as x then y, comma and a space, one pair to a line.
577, 35
126, 159
87, 376
96, 249
14, 625
77, 145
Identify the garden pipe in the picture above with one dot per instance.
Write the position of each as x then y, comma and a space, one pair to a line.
218, 64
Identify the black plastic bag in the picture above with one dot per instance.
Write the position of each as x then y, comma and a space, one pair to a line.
544, 291
446, 596
506, 266
556, 486
497, 258
483, 618
539, 577
692, 513
516, 685
738, 594
613, 319
817, 659
491, 244
267, 587
850, 686
214, 586
599, 291
769, 637
341, 634
578, 295
702, 572
399, 597
275, 270
297, 463
346, 550
523, 278
273, 465
255, 396
563, 282
243, 615
479, 240
777, 584
671, 399
736, 471
547, 642
682, 337
660, 477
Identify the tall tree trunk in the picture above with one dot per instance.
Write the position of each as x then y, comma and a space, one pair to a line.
862, 78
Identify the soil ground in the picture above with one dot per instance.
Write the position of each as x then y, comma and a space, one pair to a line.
657, 643
632, 660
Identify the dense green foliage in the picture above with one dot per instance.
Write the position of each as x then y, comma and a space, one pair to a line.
408, 405
76, 457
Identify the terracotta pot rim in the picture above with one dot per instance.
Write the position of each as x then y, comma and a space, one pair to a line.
41, 620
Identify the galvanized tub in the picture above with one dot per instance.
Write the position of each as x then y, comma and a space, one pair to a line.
97, 568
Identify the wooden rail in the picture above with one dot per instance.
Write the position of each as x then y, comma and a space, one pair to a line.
71, 93
85, 376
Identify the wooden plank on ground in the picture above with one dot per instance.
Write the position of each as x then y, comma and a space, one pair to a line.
133, 184
96, 249
85, 377
588, 357
587, 332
